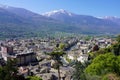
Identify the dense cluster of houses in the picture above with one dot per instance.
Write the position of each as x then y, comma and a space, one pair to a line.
31, 54
82, 48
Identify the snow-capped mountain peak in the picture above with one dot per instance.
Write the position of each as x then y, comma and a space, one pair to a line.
60, 11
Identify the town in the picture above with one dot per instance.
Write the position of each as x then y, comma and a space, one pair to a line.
32, 55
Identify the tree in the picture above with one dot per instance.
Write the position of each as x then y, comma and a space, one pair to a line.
61, 46
79, 71
9, 71
116, 49
56, 55
92, 55
95, 48
118, 39
104, 64
116, 46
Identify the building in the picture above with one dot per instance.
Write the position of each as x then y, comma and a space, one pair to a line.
26, 58
83, 58
7, 50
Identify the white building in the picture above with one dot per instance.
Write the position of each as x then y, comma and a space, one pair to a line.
83, 58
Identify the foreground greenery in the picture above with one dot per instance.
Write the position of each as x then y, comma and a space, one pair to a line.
9, 72
104, 64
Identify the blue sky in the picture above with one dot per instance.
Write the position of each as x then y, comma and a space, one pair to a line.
86, 7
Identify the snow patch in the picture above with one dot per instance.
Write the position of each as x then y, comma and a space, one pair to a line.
60, 11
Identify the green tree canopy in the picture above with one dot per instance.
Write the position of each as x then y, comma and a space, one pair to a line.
100, 51
116, 49
56, 55
9, 71
116, 46
103, 64
79, 71
62, 46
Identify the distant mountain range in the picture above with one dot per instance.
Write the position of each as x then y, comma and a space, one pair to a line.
86, 23
19, 22
113, 19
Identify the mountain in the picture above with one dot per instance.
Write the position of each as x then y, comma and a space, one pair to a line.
20, 22
87, 24
113, 19
65, 16
58, 13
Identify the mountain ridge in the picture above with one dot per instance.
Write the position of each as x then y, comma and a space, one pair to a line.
20, 22
86, 22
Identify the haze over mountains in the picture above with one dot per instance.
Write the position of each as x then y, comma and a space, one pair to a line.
19, 22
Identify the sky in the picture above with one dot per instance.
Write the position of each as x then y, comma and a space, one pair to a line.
98, 8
